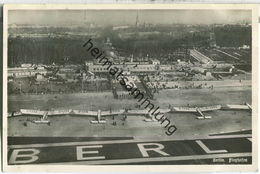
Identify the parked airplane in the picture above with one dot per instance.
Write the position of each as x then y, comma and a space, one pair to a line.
198, 110
147, 113
44, 114
40, 112
43, 120
98, 114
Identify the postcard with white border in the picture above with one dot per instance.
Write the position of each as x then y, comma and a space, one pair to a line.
140, 87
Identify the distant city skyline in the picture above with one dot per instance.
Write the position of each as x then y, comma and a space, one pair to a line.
127, 17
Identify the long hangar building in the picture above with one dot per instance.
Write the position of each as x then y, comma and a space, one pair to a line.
127, 67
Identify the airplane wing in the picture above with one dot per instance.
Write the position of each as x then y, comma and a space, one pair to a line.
85, 112
32, 112
41, 113
164, 110
110, 113
146, 111
13, 114
210, 108
184, 109
59, 112
138, 112
239, 107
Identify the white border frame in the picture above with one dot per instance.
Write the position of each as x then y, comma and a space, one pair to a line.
136, 168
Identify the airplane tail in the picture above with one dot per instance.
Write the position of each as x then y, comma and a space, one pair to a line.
249, 106
45, 116
202, 116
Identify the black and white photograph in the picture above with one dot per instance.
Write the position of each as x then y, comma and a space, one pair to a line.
168, 86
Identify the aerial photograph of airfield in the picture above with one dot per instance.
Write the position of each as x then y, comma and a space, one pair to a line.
196, 71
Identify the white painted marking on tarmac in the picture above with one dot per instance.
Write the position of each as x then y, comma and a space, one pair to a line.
207, 150
80, 153
157, 149
20, 158
160, 159
118, 141
230, 136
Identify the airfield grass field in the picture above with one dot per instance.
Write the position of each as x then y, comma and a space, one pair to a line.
134, 126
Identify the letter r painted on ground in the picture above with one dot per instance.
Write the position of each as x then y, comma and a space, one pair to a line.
144, 150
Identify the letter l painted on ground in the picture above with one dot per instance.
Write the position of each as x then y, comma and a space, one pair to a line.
207, 150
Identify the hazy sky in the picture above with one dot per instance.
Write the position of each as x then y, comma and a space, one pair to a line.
125, 17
